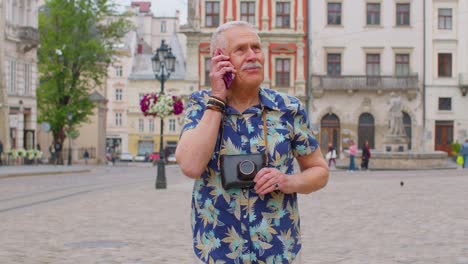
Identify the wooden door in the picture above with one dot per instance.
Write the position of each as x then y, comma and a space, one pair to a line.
330, 132
443, 135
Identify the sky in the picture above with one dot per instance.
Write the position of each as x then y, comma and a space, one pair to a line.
163, 7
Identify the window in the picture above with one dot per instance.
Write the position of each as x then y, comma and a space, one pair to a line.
334, 13
373, 14
334, 64
373, 64
282, 14
172, 125
118, 71
445, 65
151, 125
402, 65
163, 26
27, 79
118, 94
212, 14
282, 72
12, 83
403, 14
373, 69
207, 71
248, 12
118, 119
445, 18
445, 103
141, 125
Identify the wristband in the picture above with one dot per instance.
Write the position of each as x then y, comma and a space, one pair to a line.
215, 108
217, 98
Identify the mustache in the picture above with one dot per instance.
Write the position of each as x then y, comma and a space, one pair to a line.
250, 65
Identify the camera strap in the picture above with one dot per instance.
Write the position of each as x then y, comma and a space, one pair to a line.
265, 137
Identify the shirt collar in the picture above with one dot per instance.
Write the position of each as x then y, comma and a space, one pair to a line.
267, 100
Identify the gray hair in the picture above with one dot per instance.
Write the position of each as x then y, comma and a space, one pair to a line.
217, 39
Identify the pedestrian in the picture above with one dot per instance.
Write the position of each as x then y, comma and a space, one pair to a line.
464, 152
243, 213
86, 156
331, 155
1, 152
113, 155
366, 155
58, 153
38, 146
352, 155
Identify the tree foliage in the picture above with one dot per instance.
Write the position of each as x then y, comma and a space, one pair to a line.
76, 38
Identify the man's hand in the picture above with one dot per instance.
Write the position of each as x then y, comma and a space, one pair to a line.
270, 179
219, 66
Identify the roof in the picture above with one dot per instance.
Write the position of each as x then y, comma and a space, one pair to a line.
145, 7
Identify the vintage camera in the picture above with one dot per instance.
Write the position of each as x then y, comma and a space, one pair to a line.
238, 171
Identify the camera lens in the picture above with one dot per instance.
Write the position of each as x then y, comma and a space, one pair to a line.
246, 167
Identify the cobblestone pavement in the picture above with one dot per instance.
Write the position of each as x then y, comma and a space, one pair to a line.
114, 215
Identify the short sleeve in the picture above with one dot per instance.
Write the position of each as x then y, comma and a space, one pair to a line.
303, 142
194, 111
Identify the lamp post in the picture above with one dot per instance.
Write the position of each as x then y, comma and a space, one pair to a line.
69, 116
163, 64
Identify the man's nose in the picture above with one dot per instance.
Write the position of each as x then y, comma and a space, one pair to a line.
251, 55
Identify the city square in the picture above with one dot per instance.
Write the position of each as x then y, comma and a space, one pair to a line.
114, 214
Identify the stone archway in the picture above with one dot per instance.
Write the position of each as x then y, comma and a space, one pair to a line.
330, 132
366, 130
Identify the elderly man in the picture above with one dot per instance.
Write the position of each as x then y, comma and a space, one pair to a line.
256, 218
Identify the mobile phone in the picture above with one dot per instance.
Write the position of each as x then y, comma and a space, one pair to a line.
227, 78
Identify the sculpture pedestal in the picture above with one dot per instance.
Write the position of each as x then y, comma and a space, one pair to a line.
395, 144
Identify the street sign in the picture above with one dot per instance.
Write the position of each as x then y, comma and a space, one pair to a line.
45, 127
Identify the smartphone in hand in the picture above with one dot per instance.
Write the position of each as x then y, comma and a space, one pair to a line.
228, 77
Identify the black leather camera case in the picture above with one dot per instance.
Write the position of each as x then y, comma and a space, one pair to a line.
230, 177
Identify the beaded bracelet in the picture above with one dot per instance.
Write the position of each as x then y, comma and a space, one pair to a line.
215, 108
217, 98
216, 102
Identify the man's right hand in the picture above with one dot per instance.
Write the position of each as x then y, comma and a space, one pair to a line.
219, 66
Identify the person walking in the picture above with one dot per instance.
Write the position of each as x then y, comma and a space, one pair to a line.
256, 219
366, 155
1, 152
352, 155
86, 156
331, 155
464, 153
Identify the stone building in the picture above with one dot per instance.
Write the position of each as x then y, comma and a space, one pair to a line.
18, 73
281, 28
131, 76
362, 55
446, 82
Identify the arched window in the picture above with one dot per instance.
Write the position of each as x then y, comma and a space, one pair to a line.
330, 132
366, 130
407, 124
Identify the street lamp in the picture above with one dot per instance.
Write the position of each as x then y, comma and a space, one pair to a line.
69, 116
163, 64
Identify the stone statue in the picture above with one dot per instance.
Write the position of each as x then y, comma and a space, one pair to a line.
397, 127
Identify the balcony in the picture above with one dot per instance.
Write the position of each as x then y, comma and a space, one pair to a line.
354, 83
463, 82
25, 37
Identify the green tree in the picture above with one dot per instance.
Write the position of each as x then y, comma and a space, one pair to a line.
76, 38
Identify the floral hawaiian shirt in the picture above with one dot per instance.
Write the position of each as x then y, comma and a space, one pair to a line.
238, 225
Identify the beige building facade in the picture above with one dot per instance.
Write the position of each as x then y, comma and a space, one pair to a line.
131, 76
447, 73
18, 73
365, 54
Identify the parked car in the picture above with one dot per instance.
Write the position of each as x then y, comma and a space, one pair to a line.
125, 156
171, 158
140, 157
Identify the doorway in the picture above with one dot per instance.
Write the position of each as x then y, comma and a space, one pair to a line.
330, 132
444, 136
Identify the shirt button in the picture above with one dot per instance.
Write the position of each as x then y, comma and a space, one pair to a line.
245, 216
246, 241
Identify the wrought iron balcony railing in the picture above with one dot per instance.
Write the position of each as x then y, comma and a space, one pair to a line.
363, 82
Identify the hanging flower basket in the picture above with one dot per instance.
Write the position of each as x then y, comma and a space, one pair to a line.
161, 105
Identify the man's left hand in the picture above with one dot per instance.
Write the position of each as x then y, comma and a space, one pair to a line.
271, 179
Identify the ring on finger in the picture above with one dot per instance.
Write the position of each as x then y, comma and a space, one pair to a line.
276, 186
